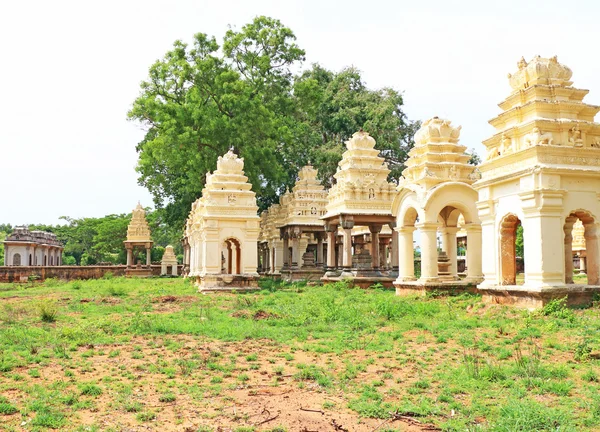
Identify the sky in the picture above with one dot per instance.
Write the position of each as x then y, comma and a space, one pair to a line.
70, 71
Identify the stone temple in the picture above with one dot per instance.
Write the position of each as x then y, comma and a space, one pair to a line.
32, 248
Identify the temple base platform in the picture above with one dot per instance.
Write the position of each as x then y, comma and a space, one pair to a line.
361, 279
536, 298
227, 283
302, 274
420, 288
141, 272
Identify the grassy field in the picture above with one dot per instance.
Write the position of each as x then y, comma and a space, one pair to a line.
127, 355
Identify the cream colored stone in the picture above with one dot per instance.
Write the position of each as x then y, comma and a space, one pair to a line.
138, 235
547, 181
436, 190
168, 260
223, 230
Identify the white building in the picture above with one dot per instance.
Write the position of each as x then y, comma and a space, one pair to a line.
32, 248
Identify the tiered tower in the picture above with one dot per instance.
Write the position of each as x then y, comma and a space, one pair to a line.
224, 229
138, 236
542, 171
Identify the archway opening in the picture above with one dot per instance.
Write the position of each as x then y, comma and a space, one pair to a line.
30, 260
512, 263
581, 245
17, 259
233, 257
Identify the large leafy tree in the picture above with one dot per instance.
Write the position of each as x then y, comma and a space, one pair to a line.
201, 99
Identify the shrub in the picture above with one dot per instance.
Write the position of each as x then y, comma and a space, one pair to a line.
90, 390
526, 415
47, 309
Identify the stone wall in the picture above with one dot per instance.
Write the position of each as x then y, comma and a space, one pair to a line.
21, 274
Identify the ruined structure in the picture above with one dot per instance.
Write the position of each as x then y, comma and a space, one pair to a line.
362, 196
32, 248
542, 171
138, 236
435, 190
169, 261
223, 230
301, 226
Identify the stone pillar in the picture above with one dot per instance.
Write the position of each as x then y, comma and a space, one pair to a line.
449, 246
347, 225
148, 256
383, 254
405, 250
394, 257
129, 257
474, 261
375, 230
319, 262
7, 253
429, 254
286, 252
569, 252
295, 250
331, 246
592, 254
582, 259
340, 252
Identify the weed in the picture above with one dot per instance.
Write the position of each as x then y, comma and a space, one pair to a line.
90, 389
167, 398
145, 416
47, 310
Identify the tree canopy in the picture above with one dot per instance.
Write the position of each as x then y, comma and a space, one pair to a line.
201, 99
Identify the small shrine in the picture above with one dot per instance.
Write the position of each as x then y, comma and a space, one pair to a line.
138, 236
435, 191
301, 223
169, 262
542, 171
578, 245
362, 196
223, 230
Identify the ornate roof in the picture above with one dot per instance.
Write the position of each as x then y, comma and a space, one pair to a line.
361, 181
138, 229
169, 257
305, 205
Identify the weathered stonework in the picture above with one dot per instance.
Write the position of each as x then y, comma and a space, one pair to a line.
169, 261
32, 248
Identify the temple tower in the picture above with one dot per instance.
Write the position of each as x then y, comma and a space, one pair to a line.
224, 228
302, 228
362, 196
138, 236
435, 191
542, 171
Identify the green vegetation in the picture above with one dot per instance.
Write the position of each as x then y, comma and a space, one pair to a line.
449, 361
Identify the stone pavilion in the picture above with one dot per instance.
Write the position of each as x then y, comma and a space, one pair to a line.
138, 236
435, 190
542, 171
32, 248
223, 230
169, 261
362, 196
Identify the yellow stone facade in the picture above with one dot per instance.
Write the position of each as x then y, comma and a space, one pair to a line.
138, 235
434, 192
542, 171
223, 230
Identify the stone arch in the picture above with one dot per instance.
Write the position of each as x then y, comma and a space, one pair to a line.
591, 232
458, 195
508, 254
234, 256
406, 209
16, 261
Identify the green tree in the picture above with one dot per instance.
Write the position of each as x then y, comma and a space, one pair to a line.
198, 101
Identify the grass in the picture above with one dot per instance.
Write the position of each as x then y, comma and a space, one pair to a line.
117, 351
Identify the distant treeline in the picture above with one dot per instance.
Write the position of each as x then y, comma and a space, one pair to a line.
100, 240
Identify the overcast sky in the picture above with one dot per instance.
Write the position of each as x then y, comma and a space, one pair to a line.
71, 69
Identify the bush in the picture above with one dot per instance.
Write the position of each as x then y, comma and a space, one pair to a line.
47, 309
526, 415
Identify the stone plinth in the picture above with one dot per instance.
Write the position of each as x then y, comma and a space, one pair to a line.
527, 298
227, 283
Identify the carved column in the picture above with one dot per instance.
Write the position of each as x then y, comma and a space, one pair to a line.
129, 256
448, 235
405, 250
569, 251
347, 225
148, 256
592, 255
286, 252
429, 255
474, 272
394, 258
331, 230
375, 230
319, 250
295, 248
582, 259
